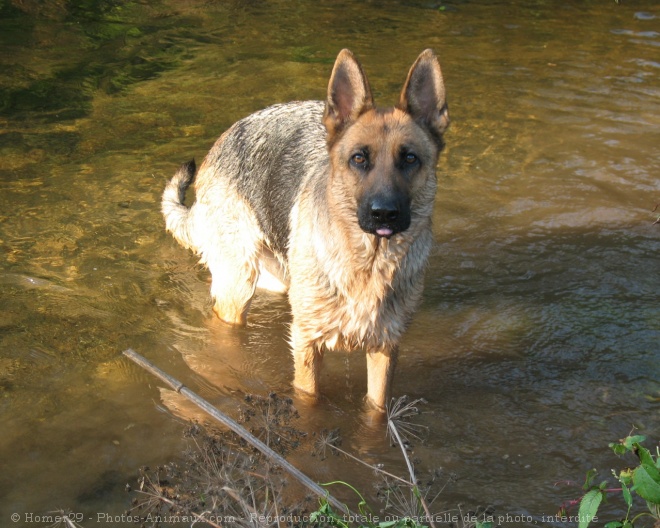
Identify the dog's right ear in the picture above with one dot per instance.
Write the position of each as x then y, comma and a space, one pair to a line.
349, 94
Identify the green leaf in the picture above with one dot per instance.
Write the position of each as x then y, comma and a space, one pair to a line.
619, 449
589, 506
627, 496
625, 445
646, 485
484, 524
629, 441
646, 459
589, 479
614, 524
327, 516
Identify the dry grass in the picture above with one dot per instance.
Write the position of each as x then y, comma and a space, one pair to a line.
224, 481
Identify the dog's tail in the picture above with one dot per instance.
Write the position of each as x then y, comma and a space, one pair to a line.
175, 212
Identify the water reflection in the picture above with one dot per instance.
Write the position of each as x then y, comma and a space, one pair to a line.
537, 343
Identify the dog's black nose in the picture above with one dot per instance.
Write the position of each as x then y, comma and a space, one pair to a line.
384, 214
383, 211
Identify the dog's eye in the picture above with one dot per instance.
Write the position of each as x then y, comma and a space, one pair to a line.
359, 159
410, 158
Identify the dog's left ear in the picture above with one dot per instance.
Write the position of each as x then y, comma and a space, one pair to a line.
349, 94
423, 94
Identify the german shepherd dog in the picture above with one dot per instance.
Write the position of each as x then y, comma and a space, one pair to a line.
330, 201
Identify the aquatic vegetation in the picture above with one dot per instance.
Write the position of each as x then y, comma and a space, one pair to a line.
114, 50
639, 482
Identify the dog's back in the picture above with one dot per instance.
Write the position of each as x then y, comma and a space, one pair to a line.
266, 156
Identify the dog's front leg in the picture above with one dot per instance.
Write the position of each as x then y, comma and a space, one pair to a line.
380, 371
307, 360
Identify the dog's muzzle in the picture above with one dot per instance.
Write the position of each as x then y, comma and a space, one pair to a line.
384, 216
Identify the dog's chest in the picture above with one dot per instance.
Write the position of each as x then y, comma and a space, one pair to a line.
364, 307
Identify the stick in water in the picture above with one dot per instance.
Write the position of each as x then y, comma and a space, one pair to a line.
238, 429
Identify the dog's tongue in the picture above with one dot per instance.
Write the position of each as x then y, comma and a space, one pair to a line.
384, 232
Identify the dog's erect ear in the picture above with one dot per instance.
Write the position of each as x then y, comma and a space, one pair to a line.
349, 94
423, 94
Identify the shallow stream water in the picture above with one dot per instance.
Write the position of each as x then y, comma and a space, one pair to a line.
538, 341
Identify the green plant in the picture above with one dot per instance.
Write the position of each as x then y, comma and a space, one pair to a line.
641, 481
326, 516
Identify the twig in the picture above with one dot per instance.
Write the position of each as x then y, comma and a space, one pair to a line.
238, 429
374, 468
413, 479
399, 440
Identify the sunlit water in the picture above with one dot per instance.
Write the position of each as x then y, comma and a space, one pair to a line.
538, 339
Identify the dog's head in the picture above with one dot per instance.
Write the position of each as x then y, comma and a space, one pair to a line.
385, 159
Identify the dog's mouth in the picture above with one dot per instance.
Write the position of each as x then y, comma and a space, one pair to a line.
384, 232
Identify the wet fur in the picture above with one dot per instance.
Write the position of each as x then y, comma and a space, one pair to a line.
279, 197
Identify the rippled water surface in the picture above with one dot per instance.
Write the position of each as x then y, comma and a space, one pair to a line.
538, 341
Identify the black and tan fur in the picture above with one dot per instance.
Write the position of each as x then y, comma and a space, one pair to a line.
330, 201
